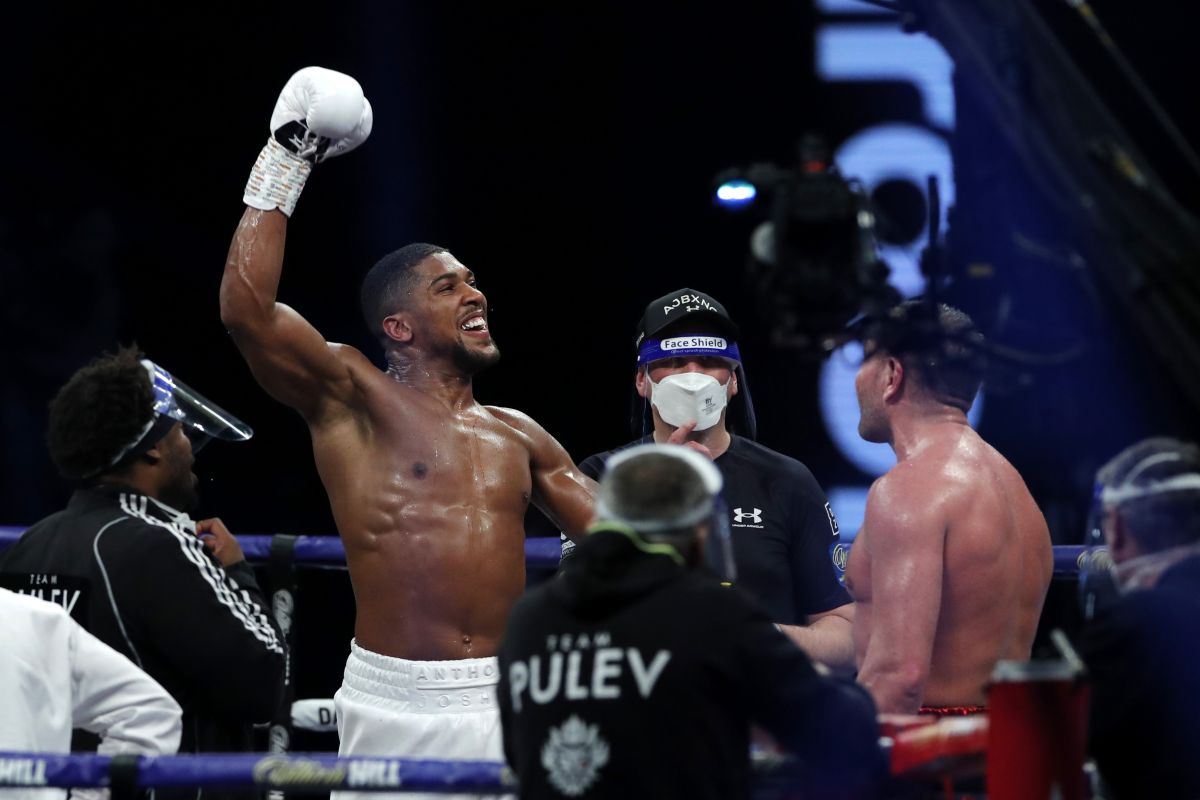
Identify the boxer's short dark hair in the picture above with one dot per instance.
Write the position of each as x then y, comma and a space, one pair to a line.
943, 349
388, 283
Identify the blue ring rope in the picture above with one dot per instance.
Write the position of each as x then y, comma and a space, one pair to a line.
295, 771
540, 553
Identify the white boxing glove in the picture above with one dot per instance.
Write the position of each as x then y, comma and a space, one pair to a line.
319, 114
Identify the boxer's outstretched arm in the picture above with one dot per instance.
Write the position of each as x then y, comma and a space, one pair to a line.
905, 538
561, 490
319, 114
827, 638
287, 355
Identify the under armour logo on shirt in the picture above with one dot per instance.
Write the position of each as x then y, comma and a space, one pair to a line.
754, 517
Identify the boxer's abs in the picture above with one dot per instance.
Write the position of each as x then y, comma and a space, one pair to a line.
437, 594
435, 564
431, 508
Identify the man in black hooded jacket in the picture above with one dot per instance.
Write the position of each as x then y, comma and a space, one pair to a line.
636, 673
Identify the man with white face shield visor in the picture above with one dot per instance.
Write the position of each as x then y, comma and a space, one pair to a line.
690, 388
1142, 646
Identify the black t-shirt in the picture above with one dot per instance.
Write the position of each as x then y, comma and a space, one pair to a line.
785, 536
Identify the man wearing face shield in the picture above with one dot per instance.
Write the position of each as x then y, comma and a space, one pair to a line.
125, 559
689, 378
1142, 647
635, 673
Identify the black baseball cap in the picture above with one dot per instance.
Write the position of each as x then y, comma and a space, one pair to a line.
683, 304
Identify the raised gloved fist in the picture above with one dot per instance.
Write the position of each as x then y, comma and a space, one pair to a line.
321, 114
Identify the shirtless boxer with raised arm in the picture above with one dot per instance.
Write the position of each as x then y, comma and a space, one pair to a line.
428, 487
953, 561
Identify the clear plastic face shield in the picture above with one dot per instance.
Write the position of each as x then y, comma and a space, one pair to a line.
203, 420
1101, 581
716, 547
1097, 590
175, 401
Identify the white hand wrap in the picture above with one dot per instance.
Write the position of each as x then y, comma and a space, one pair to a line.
277, 179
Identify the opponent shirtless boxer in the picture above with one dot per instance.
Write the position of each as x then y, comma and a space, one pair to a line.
428, 487
953, 561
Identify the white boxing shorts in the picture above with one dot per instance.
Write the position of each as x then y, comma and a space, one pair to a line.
417, 709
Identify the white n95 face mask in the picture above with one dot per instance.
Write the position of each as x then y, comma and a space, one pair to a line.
689, 397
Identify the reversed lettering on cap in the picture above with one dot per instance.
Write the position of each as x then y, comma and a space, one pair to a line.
694, 302
693, 342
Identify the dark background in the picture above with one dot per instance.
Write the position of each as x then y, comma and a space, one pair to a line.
565, 154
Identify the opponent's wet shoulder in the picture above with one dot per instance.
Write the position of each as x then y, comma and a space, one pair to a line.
927, 486
899, 481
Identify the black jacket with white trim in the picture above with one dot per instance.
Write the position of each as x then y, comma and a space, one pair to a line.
132, 575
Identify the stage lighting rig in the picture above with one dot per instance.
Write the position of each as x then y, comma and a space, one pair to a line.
814, 264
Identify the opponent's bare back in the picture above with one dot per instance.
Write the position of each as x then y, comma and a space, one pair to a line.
428, 487
949, 571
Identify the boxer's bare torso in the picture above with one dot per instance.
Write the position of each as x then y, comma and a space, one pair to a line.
428, 487
949, 573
